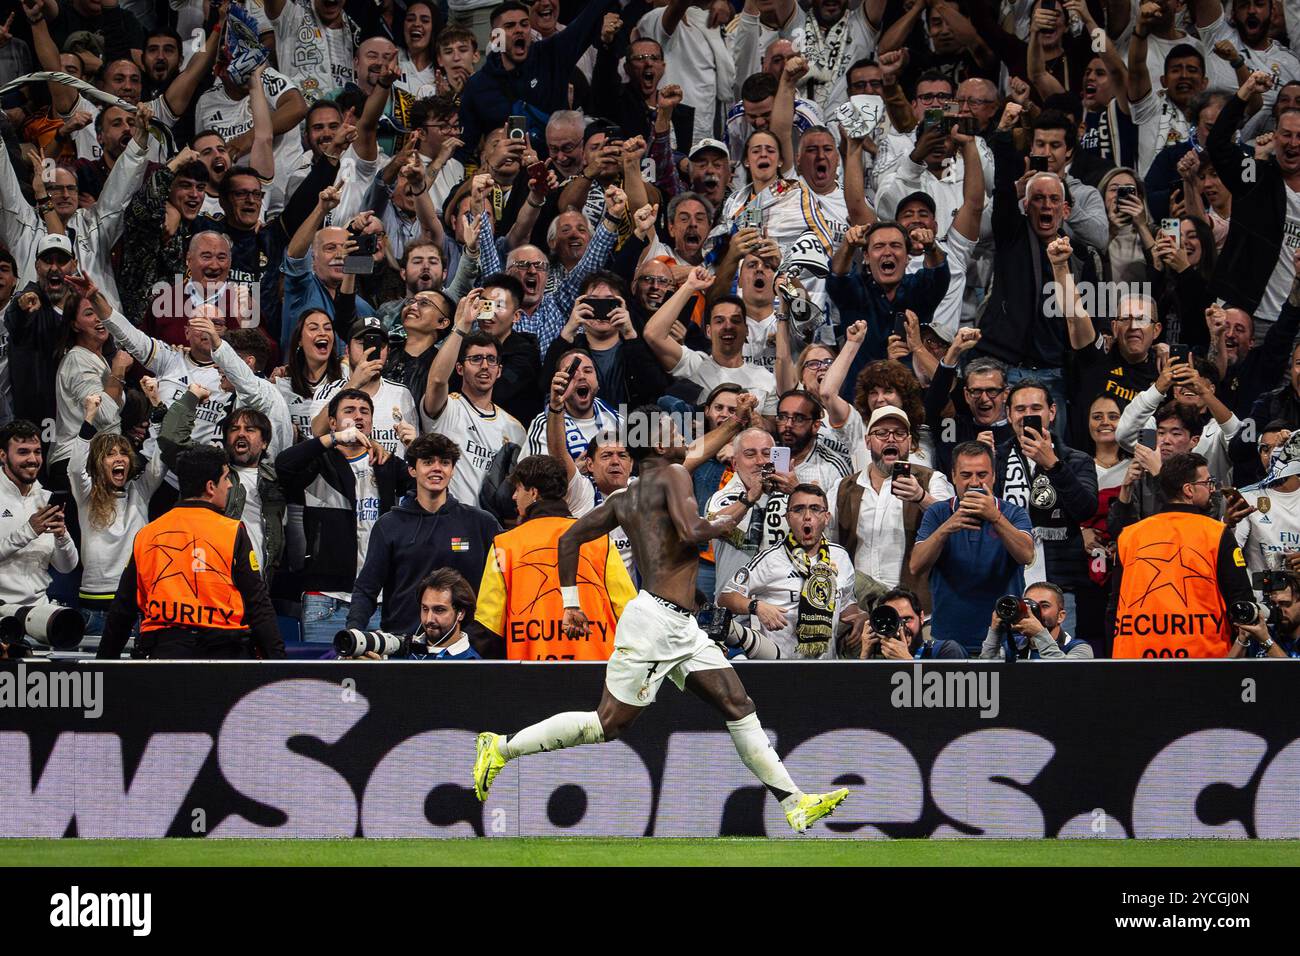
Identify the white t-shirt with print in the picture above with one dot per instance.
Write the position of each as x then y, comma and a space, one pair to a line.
318, 59
367, 514
221, 114
1280, 282
708, 374
480, 436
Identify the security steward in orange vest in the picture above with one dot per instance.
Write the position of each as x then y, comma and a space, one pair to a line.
1177, 573
193, 577
519, 598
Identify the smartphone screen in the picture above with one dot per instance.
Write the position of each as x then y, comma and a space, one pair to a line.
1038, 164
781, 459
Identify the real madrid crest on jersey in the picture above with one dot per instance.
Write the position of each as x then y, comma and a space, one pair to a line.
1042, 493
1262, 504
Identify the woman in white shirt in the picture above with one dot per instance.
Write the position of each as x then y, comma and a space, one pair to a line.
314, 361
112, 503
84, 371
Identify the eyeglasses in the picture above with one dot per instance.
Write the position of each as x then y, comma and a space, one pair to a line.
889, 434
491, 361
444, 127
658, 282
934, 97
818, 363
647, 58
246, 194
793, 418
531, 265
985, 392
814, 510
964, 101
1210, 483
866, 85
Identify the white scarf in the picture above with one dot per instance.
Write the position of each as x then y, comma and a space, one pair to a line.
827, 54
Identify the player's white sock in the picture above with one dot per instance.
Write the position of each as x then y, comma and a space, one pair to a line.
555, 733
751, 743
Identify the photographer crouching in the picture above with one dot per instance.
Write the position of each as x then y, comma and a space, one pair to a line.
895, 631
445, 600
1035, 622
1271, 629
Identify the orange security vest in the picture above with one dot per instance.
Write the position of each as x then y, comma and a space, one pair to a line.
183, 565
519, 596
1170, 604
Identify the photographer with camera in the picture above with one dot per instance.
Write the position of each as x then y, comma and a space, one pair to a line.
445, 598
1273, 628
1036, 623
803, 623
1178, 573
895, 630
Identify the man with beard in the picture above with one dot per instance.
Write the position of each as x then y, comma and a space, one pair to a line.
626, 372
92, 231
875, 512
445, 599
634, 105
710, 177
439, 119
798, 420
517, 390
33, 535
883, 292
1249, 32
316, 41
1040, 635
122, 78
1257, 266
421, 270
776, 589
728, 333
255, 496
469, 417
1017, 325
576, 405
32, 327
526, 75
1055, 484
544, 315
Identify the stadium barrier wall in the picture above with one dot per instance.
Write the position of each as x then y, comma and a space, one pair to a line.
1074, 749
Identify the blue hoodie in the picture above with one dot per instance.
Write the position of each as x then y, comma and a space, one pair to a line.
408, 543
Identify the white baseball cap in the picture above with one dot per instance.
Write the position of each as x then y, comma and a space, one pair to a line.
55, 242
706, 143
888, 411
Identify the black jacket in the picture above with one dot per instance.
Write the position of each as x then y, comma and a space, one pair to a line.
1074, 479
408, 543
1013, 326
1258, 214
618, 101
520, 388
1262, 368
330, 512
33, 365
950, 431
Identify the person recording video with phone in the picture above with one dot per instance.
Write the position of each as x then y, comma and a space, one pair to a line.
394, 424
975, 547
1038, 628
32, 532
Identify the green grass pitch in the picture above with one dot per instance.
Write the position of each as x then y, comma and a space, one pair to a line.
722, 851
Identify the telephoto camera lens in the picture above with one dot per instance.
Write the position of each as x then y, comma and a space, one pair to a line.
884, 621
1243, 612
355, 643
1009, 609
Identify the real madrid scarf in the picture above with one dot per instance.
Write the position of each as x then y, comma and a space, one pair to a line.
814, 627
827, 55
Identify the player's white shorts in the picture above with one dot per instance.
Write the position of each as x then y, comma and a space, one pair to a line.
655, 640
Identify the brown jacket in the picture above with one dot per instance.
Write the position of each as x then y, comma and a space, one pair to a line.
848, 502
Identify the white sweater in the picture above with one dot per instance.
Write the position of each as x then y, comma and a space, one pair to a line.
1140, 412
81, 373
105, 553
25, 556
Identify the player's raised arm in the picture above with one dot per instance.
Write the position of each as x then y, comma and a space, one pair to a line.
683, 509
594, 524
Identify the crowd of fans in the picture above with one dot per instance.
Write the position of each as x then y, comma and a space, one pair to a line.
966, 288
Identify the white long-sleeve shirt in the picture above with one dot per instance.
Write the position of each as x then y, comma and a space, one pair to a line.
1140, 412
93, 230
105, 552
25, 556
258, 393
81, 374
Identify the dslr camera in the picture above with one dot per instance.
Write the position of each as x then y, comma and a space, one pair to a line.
353, 643
1012, 610
1248, 612
45, 625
